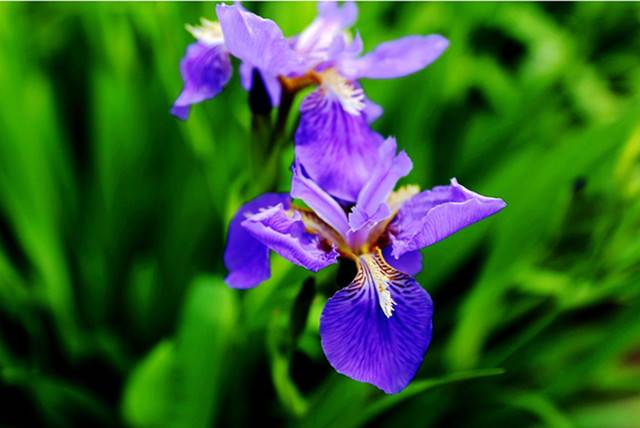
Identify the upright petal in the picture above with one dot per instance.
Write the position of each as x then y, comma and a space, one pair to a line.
395, 59
364, 339
355, 47
205, 70
258, 41
319, 39
371, 206
346, 15
337, 148
318, 200
431, 216
246, 258
284, 232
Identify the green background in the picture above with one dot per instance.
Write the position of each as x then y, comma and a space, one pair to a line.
113, 218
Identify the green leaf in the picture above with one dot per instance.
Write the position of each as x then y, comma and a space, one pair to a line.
418, 387
148, 394
179, 384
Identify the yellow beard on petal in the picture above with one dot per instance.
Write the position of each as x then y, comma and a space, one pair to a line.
374, 268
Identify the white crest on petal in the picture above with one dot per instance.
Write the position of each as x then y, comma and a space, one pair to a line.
208, 32
334, 85
380, 274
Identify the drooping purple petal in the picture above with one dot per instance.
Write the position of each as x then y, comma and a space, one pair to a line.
205, 70
369, 344
320, 39
435, 214
258, 41
246, 258
371, 206
337, 149
409, 263
181, 112
396, 58
284, 232
271, 82
318, 200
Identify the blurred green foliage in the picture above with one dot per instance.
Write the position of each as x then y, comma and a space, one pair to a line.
113, 216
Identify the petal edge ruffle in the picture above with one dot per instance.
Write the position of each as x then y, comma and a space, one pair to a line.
431, 216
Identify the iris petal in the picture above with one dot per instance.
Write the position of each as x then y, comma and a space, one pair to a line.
371, 204
258, 41
271, 82
396, 58
371, 110
246, 258
431, 216
346, 15
205, 71
320, 38
336, 148
323, 204
362, 342
409, 263
284, 232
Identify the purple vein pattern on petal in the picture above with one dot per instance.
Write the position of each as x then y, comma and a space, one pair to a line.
205, 71
318, 200
246, 258
409, 263
284, 232
433, 215
371, 204
322, 37
336, 148
361, 342
258, 41
396, 58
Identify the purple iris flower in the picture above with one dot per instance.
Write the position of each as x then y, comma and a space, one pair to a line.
378, 328
205, 68
258, 42
334, 138
334, 127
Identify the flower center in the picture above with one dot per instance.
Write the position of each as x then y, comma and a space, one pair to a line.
351, 97
208, 32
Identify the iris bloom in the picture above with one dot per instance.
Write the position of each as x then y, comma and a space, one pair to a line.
378, 328
323, 55
205, 67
